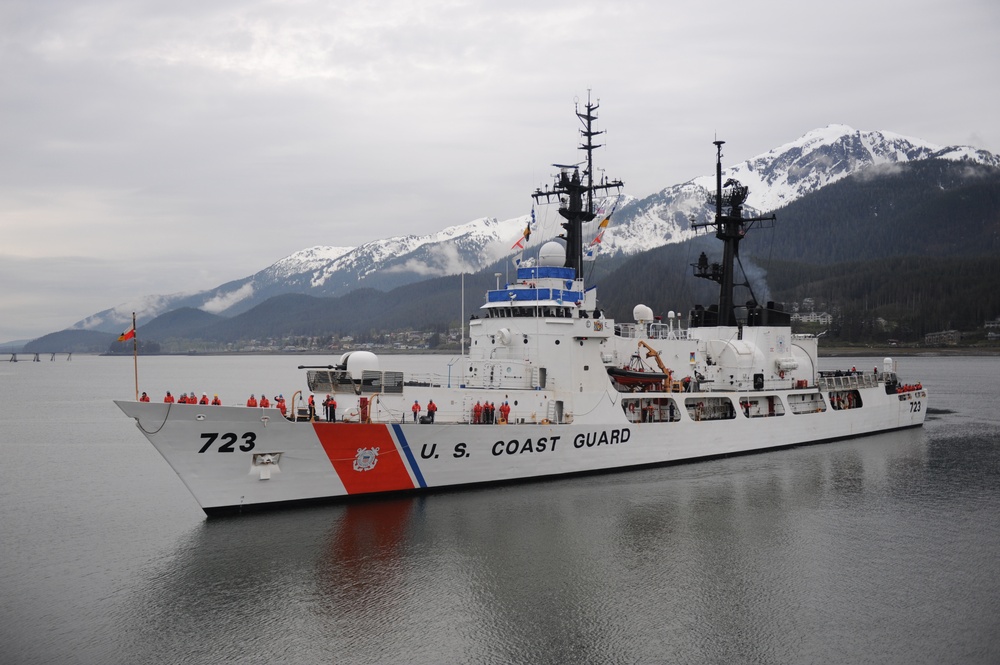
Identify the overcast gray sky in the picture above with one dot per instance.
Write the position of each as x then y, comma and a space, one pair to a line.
157, 147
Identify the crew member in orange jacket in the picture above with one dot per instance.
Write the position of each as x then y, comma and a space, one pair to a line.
144, 398
416, 410
252, 401
330, 404
431, 410
216, 401
169, 399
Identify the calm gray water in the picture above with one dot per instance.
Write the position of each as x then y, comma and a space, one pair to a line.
877, 550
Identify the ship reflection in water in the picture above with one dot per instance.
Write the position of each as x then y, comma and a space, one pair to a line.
767, 558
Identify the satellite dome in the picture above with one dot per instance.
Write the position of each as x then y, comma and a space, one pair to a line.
551, 255
642, 313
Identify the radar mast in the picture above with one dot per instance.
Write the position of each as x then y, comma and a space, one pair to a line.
575, 192
730, 227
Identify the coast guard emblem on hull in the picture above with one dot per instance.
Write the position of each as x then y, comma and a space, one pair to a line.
366, 459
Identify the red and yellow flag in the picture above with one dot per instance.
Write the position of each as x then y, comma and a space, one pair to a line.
128, 334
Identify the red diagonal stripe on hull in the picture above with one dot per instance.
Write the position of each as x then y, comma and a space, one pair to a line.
342, 443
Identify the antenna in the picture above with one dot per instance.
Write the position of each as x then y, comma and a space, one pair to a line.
578, 205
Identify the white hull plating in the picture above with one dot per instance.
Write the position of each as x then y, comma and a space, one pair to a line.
312, 461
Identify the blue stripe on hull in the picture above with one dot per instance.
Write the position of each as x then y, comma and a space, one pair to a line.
409, 455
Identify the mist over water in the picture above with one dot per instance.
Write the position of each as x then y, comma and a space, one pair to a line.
880, 549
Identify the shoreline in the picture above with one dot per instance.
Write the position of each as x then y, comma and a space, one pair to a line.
824, 352
882, 351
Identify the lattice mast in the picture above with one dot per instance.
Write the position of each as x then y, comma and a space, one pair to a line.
576, 194
730, 229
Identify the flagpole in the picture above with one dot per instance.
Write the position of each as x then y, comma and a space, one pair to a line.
463, 322
135, 357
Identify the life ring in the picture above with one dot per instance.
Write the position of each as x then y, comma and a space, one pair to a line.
545, 421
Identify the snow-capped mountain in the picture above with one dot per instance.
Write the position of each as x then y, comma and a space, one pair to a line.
776, 178
330, 271
824, 156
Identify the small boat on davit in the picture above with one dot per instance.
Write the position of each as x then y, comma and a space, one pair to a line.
636, 375
549, 387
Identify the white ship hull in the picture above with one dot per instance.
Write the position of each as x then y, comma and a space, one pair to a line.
583, 396
312, 461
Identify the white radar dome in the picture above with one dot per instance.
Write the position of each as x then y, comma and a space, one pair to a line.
551, 255
642, 313
358, 361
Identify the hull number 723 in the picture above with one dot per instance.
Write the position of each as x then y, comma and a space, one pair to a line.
228, 441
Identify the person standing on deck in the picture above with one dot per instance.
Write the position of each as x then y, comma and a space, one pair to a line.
416, 410
431, 410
